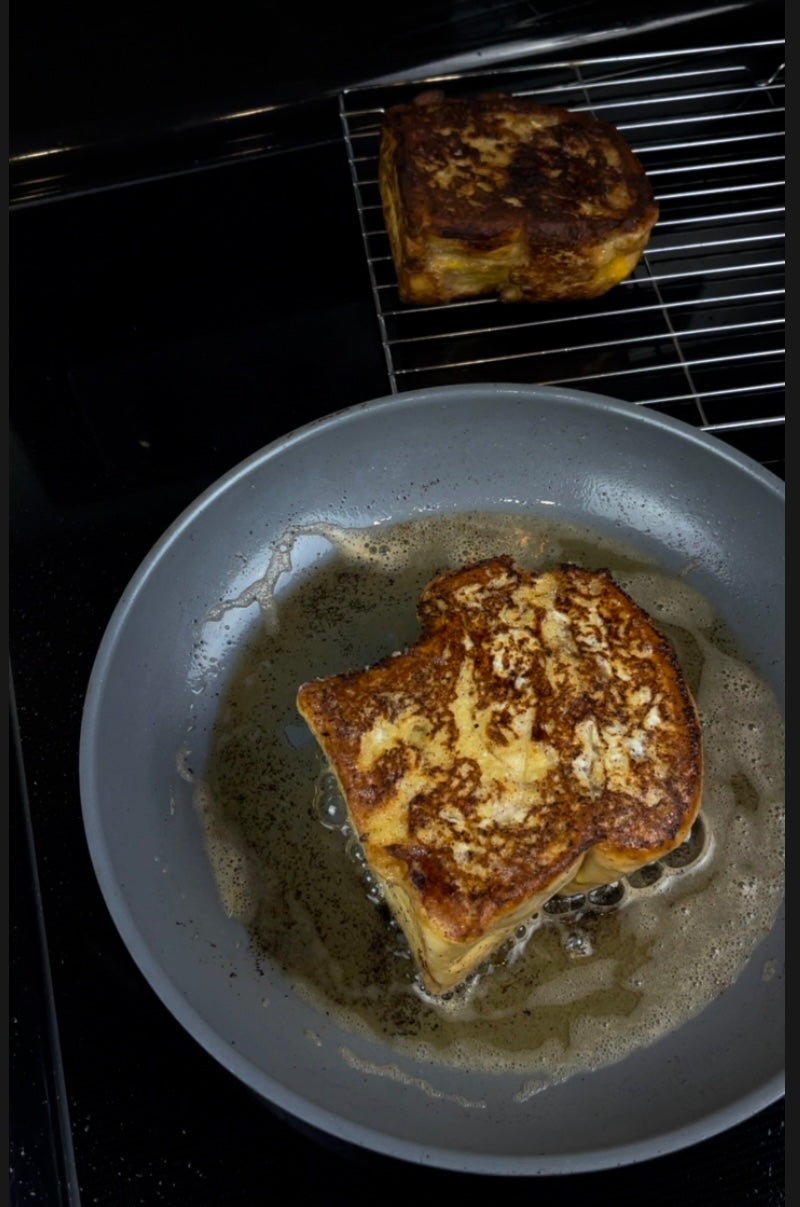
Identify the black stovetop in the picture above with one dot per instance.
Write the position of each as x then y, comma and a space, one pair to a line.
169, 316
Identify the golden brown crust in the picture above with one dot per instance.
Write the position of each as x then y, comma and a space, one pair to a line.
539, 734
496, 193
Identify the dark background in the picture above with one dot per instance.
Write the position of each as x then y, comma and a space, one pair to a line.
90, 70
107, 68
167, 321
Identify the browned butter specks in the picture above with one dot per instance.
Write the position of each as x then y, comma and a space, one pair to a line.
576, 991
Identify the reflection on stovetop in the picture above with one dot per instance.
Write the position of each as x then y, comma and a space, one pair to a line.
161, 332
122, 75
171, 328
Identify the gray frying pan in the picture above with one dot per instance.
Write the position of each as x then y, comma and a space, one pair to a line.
683, 499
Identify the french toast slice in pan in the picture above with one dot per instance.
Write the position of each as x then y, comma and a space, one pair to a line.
539, 735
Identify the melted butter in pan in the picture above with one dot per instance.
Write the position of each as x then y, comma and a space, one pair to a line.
573, 994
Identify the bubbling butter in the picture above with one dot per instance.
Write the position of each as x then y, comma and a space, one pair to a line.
579, 989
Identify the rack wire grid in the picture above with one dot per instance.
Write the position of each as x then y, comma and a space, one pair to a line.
696, 331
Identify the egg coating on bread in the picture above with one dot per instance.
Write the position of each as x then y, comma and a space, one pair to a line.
538, 736
499, 194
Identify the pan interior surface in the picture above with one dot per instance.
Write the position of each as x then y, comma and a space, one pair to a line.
218, 579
